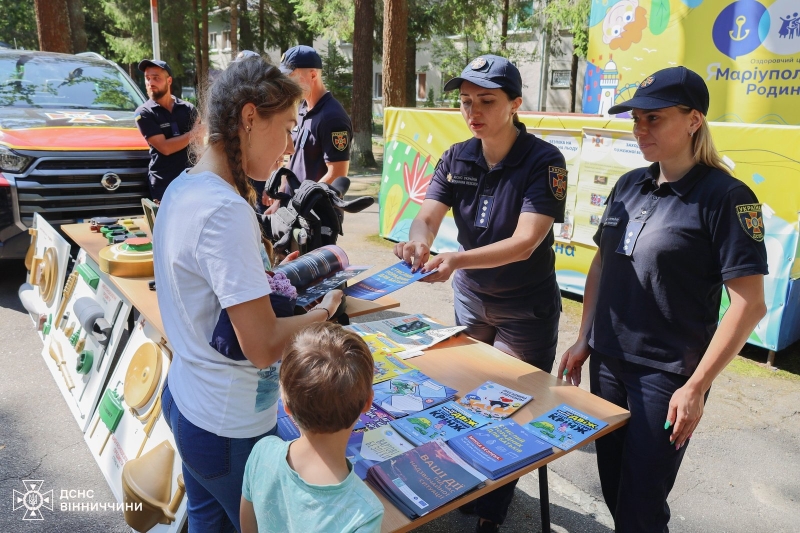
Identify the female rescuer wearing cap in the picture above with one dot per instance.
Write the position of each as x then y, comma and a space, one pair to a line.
671, 236
506, 188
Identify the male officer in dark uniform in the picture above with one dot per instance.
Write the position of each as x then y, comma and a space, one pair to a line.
323, 133
165, 121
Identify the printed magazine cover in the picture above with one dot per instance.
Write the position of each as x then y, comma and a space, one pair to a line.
410, 393
443, 421
493, 400
564, 427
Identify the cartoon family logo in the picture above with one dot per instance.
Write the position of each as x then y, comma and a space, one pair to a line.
32, 500
790, 26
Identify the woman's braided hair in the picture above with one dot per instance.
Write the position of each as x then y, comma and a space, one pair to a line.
251, 80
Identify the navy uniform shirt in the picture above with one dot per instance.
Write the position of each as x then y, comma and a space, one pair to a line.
487, 205
322, 136
152, 119
659, 299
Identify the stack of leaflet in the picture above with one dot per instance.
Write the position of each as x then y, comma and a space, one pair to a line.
372, 419
494, 401
444, 421
564, 426
410, 393
423, 479
388, 366
500, 448
369, 448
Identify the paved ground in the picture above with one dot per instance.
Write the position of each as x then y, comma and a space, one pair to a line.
741, 473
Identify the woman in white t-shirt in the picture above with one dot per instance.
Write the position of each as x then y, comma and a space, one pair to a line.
207, 258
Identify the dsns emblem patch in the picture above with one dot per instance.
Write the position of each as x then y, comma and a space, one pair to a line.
340, 140
751, 220
557, 179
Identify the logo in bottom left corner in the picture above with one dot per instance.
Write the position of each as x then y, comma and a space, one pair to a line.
33, 499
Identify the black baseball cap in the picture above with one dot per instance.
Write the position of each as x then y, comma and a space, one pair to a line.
300, 57
490, 72
666, 88
144, 63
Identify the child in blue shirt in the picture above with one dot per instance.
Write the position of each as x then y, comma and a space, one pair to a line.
308, 484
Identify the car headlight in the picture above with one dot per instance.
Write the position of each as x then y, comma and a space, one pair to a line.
11, 161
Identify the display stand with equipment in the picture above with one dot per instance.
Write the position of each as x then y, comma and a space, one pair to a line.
132, 442
47, 261
83, 337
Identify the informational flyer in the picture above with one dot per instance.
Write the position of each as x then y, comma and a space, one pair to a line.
605, 156
385, 282
568, 143
413, 344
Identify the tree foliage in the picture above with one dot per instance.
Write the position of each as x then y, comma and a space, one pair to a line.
338, 76
572, 16
18, 24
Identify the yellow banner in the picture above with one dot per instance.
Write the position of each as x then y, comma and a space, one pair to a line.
748, 51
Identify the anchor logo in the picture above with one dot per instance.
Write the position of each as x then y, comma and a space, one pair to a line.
740, 21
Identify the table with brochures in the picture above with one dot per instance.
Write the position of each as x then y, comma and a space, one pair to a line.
464, 364
138, 293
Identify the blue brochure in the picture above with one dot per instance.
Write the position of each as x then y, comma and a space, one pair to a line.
564, 427
287, 428
423, 479
500, 448
444, 421
410, 393
386, 281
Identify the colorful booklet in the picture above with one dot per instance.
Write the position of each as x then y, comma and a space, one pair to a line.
494, 401
444, 421
410, 393
372, 419
564, 427
425, 478
500, 448
378, 342
374, 446
388, 366
385, 282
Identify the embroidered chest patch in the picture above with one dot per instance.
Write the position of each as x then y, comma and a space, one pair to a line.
557, 179
455, 179
751, 220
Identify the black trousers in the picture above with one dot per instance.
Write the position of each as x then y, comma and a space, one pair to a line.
637, 464
518, 329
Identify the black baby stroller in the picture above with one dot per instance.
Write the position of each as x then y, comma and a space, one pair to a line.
311, 216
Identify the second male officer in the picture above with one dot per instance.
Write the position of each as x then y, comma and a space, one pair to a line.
165, 122
323, 133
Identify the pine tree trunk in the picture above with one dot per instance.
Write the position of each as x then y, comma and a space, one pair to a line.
411, 71
234, 28
203, 78
52, 25
245, 30
363, 42
198, 51
395, 29
573, 82
77, 23
504, 27
262, 22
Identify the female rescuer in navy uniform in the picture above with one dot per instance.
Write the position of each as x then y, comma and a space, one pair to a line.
672, 235
506, 188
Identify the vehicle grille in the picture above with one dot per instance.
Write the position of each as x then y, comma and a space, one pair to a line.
65, 187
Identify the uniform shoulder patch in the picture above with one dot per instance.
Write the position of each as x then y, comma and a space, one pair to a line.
752, 222
557, 180
340, 140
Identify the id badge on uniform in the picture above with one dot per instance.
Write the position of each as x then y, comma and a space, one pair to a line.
628, 241
484, 212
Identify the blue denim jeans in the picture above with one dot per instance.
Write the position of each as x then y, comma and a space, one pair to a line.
213, 470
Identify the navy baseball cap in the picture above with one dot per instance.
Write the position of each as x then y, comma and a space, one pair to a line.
666, 88
490, 72
144, 63
300, 57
